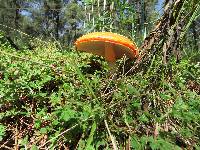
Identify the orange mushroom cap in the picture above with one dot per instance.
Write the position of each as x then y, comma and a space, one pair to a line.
95, 43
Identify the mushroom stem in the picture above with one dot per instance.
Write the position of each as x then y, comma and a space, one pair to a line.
109, 52
110, 57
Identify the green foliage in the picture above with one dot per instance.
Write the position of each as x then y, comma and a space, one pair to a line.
2, 131
45, 95
54, 98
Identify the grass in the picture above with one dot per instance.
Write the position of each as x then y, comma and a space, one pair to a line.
56, 99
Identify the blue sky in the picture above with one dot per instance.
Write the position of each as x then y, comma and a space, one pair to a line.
159, 6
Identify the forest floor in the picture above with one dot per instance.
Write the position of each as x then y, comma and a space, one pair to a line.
61, 99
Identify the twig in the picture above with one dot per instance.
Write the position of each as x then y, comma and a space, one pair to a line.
16, 138
110, 80
6, 147
128, 144
4, 144
111, 137
63, 132
58, 135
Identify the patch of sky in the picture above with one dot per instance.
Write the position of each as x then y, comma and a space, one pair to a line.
30, 7
25, 13
159, 6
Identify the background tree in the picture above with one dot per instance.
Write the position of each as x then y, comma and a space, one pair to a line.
64, 21
73, 17
11, 17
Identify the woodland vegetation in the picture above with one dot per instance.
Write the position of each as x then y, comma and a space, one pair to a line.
53, 97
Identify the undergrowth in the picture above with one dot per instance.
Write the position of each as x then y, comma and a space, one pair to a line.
61, 99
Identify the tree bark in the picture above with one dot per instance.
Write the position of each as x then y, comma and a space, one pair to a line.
17, 14
165, 40
195, 35
57, 24
57, 16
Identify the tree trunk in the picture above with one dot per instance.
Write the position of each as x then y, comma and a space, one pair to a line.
195, 35
165, 40
17, 14
57, 16
57, 24
165, 37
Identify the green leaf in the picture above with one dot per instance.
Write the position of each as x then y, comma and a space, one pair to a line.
2, 131
43, 130
34, 147
55, 98
24, 141
143, 118
67, 114
37, 124
90, 139
132, 90
55, 122
165, 96
135, 144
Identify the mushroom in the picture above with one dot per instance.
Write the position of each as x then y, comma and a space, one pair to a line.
111, 46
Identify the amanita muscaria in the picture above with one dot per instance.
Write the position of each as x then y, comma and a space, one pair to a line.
111, 46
